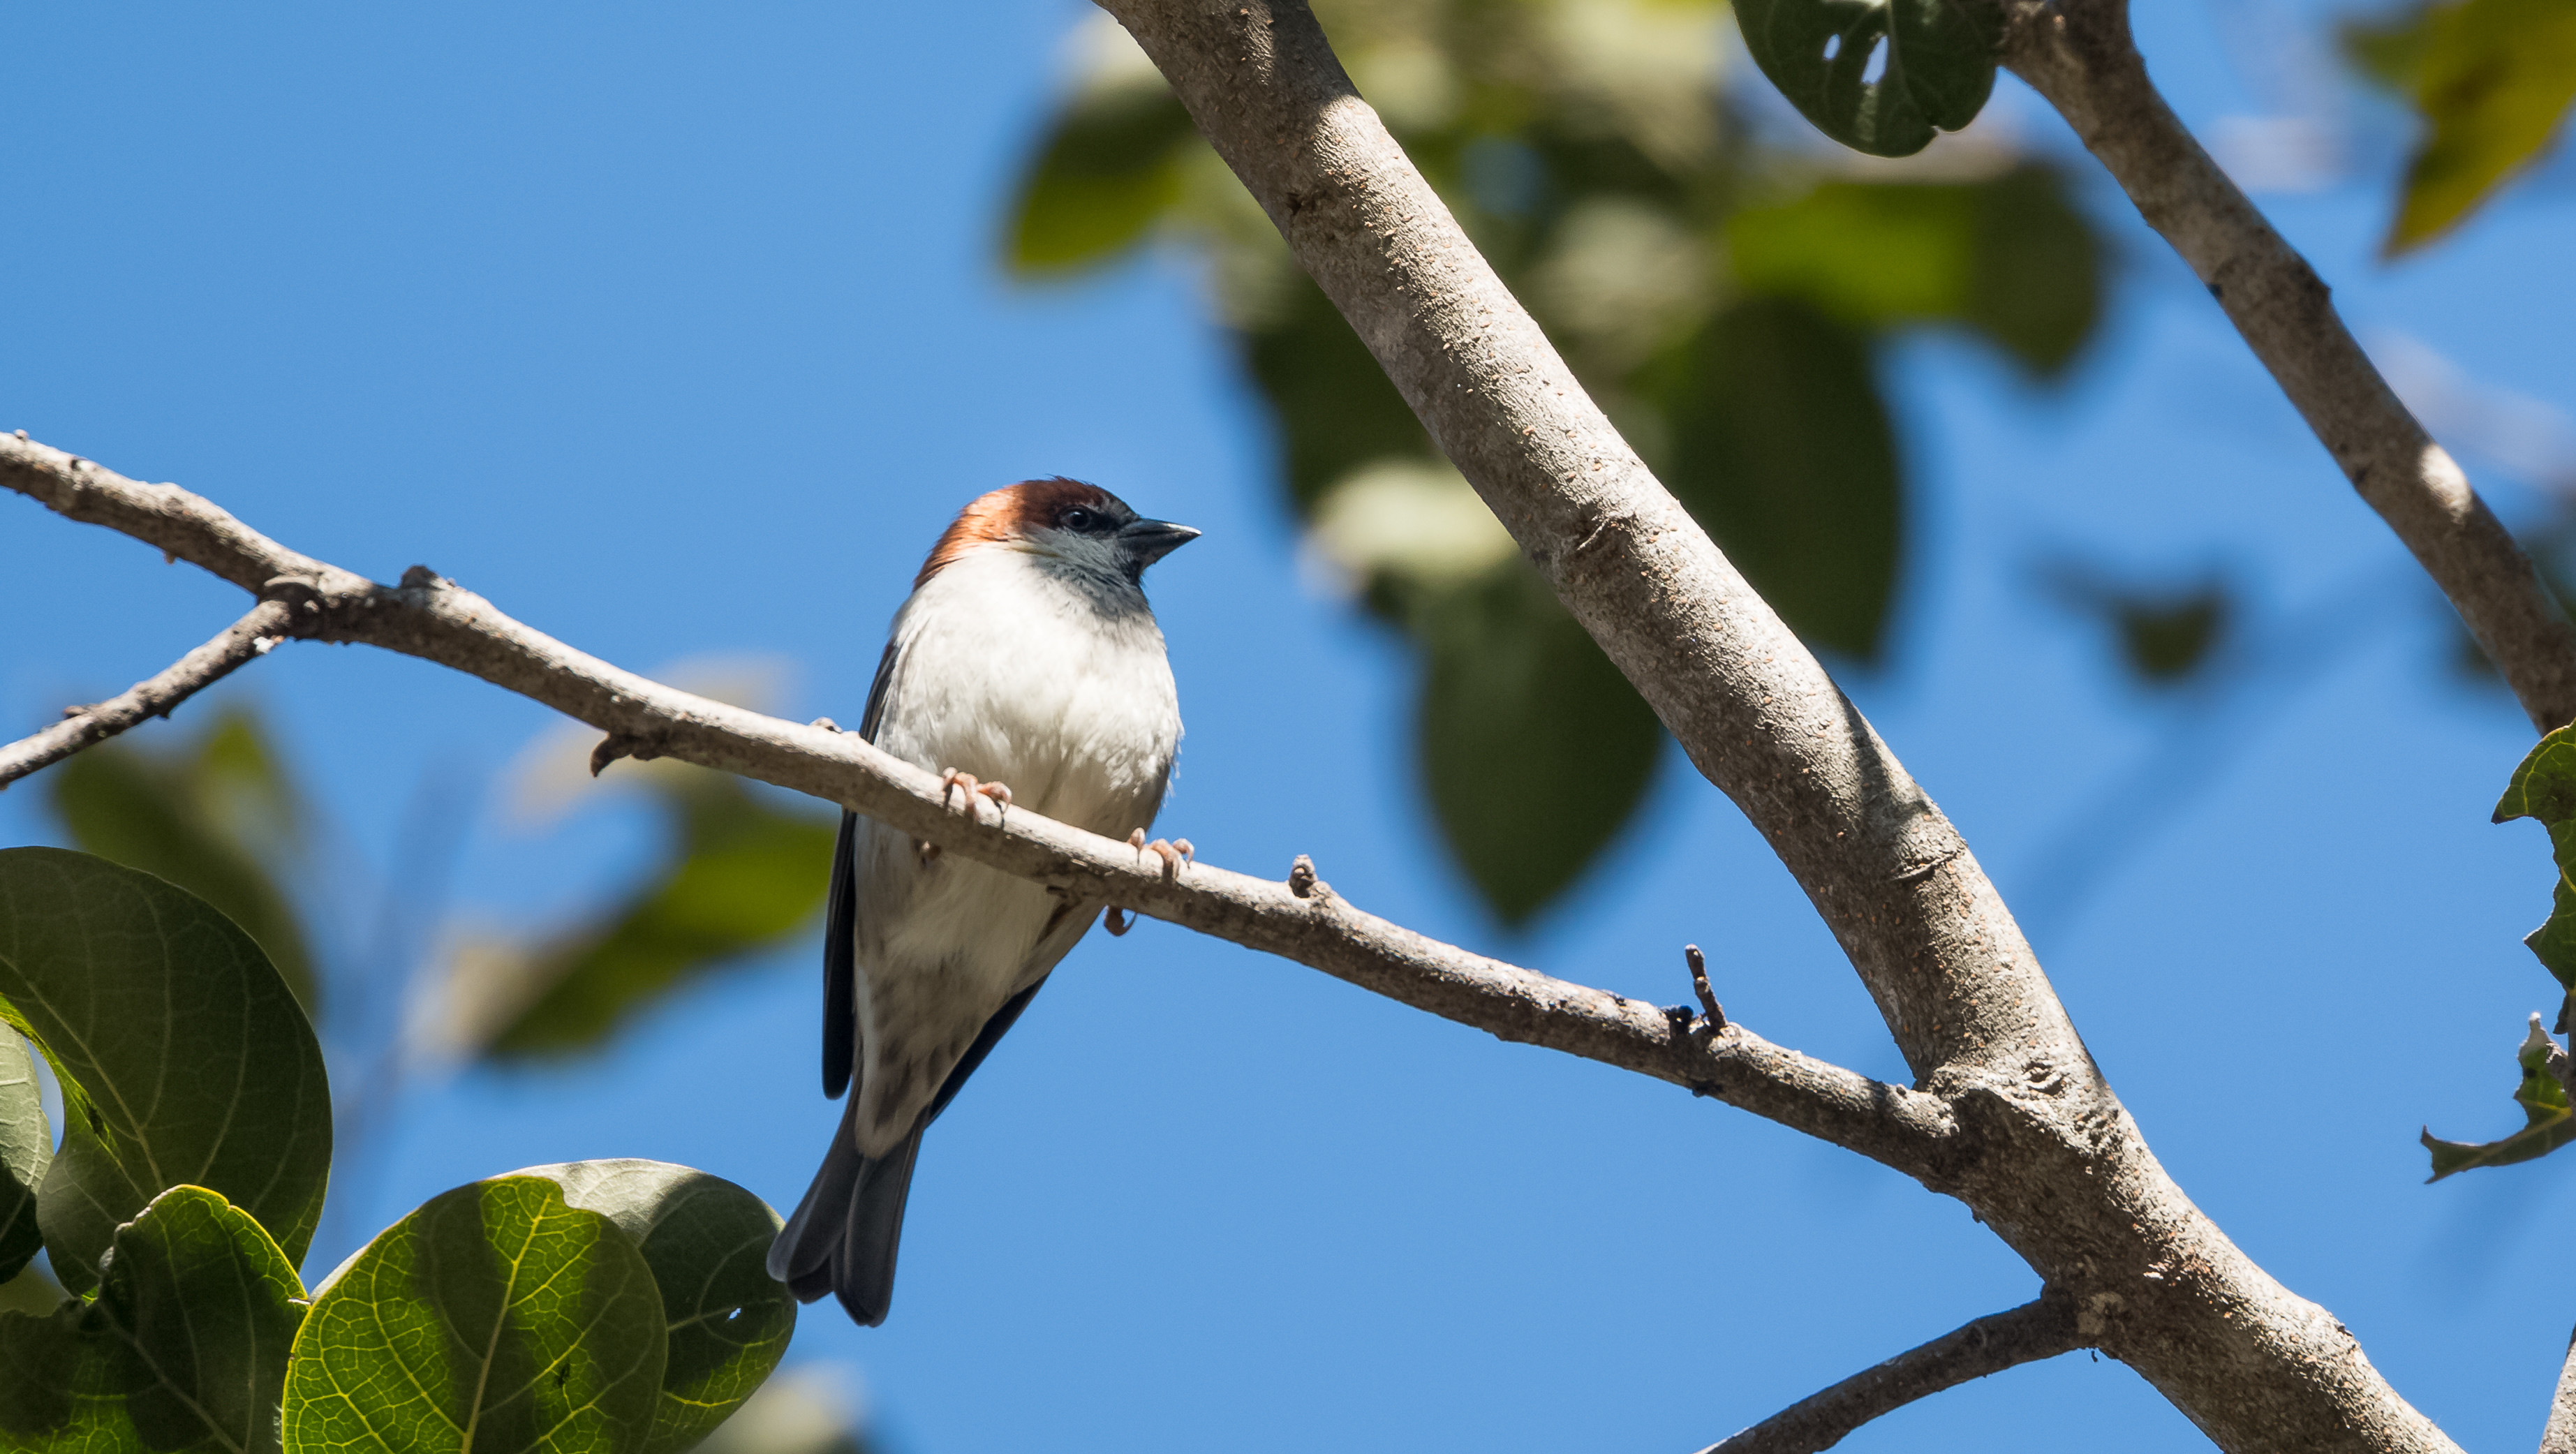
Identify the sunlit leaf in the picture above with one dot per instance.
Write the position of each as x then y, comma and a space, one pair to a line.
2492, 79
1108, 170
2543, 787
214, 815
184, 1348
494, 1308
1781, 448
2008, 256
2548, 1121
746, 874
705, 1239
183, 1058
1877, 75
806, 1410
26, 1149
1535, 749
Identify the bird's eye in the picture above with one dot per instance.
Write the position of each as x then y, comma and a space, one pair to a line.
1076, 518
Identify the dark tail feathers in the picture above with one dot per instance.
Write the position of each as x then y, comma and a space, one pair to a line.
843, 1237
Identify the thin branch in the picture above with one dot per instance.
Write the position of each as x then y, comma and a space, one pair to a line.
2026, 1334
2081, 56
1303, 920
154, 696
2559, 1436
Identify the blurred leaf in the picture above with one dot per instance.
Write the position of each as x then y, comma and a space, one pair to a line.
1933, 63
183, 1349
1335, 408
747, 875
2492, 80
1109, 169
2543, 787
26, 1149
1416, 521
494, 1308
33, 1290
805, 1410
1782, 450
1534, 747
211, 815
2548, 1122
2165, 633
183, 1058
2009, 256
705, 1240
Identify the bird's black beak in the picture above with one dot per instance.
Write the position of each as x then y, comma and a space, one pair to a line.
1147, 541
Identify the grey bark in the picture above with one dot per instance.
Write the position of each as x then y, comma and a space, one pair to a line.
2080, 55
154, 696
2559, 1435
2045, 1154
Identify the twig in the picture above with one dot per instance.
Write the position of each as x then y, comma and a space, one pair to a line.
154, 696
2081, 56
436, 620
1698, 963
2026, 1334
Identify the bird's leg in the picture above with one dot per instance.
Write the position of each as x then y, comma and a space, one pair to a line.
956, 778
1172, 854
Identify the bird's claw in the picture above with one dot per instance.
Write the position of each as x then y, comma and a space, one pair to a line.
1115, 921
957, 778
1172, 854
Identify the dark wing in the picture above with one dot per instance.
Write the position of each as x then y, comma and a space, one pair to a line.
841, 919
985, 1040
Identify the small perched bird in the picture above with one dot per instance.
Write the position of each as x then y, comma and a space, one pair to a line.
1026, 668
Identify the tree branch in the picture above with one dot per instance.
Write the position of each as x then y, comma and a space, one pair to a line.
2047, 1155
2081, 56
2026, 1334
2559, 1435
1302, 919
154, 696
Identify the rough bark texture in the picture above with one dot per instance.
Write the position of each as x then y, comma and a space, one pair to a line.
2046, 1155
2080, 55
154, 696
2026, 1334
2559, 1435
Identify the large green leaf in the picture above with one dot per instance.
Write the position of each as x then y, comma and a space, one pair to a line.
2493, 80
183, 1058
746, 874
1535, 749
1108, 170
2543, 787
2008, 256
213, 815
1877, 75
184, 1348
494, 1319
26, 1149
706, 1240
2548, 1122
1782, 449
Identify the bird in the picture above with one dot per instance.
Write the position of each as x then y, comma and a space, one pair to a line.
1026, 668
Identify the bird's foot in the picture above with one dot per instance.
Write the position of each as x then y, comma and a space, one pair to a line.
957, 778
1173, 854
1115, 921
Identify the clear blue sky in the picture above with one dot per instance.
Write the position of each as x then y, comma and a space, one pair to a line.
677, 333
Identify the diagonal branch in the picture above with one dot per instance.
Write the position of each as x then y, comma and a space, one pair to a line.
2559, 1435
155, 696
1301, 919
2081, 56
1991, 1344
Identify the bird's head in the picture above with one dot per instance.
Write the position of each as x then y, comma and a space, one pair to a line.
1080, 528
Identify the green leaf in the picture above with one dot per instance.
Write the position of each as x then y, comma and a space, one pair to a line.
212, 816
706, 1240
748, 874
496, 1319
26, 1149
2543, 787
1108, 171
184, 1348
2009, 256
1937, 60
2548, 1121
183, 1058
2492, 79
1535, 749
1782, 450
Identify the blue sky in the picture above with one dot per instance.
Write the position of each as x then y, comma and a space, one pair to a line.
678, 333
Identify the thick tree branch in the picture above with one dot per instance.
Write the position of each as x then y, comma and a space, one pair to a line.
1302, 919
2559, 1435
2026, 1334
2052, 1162
2080, 55
154, 696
